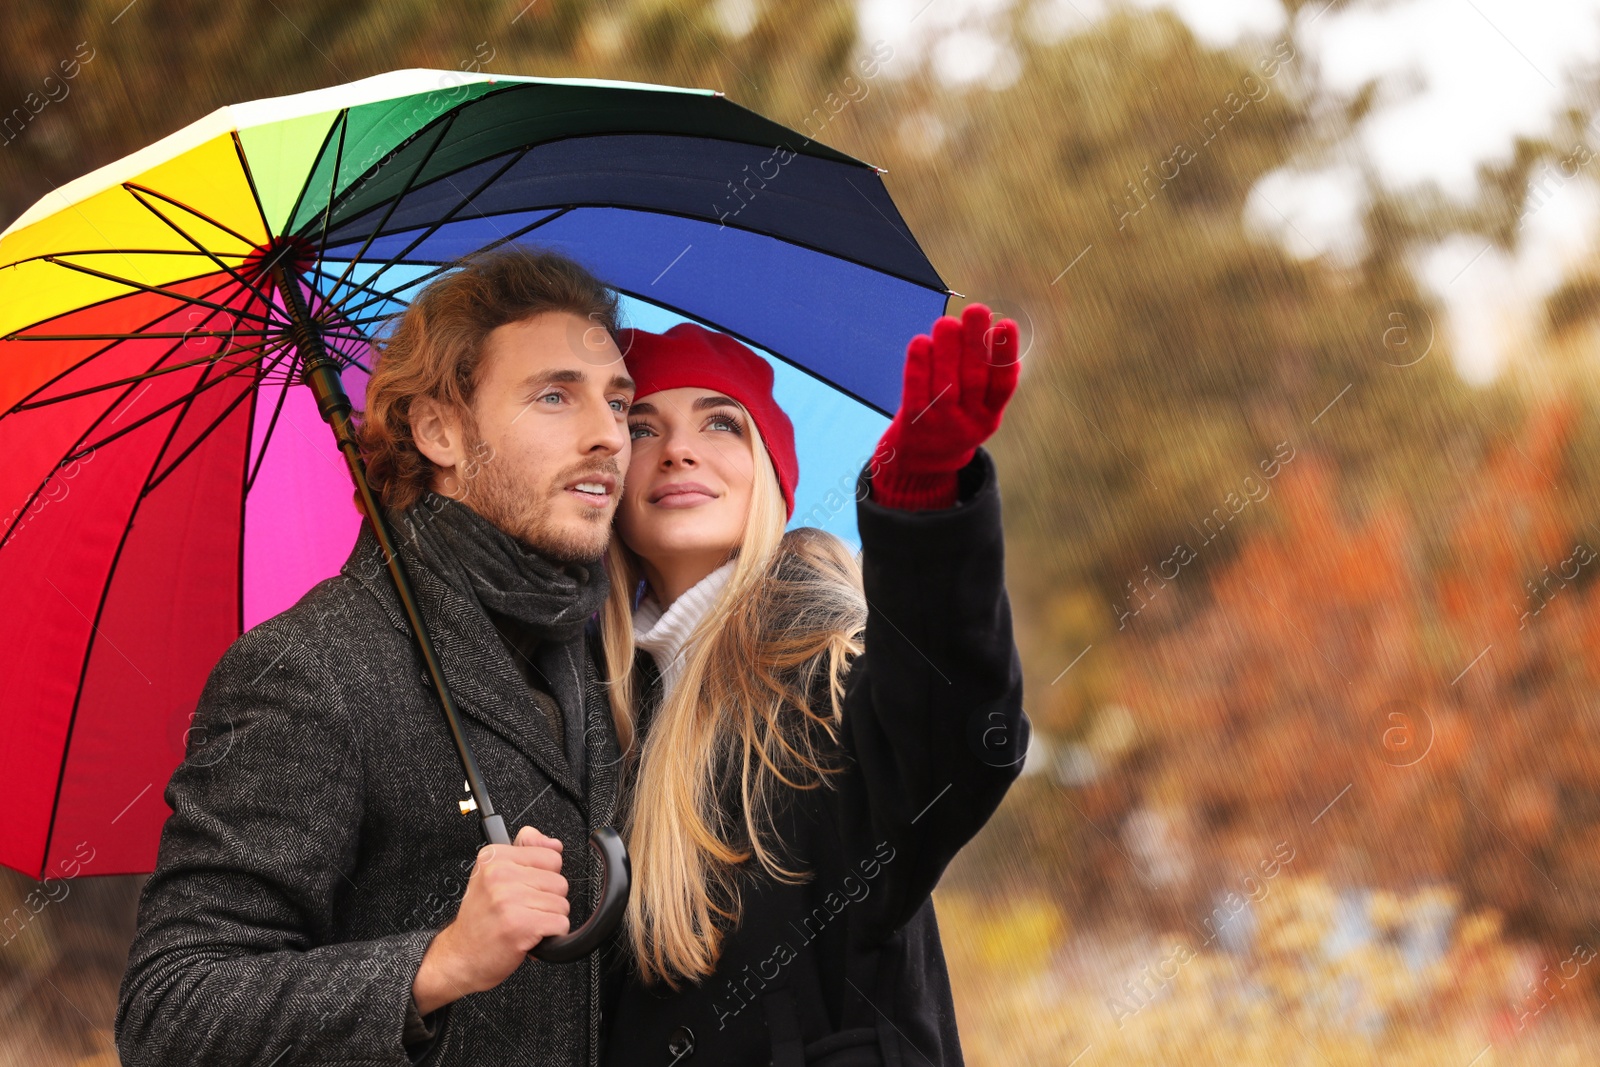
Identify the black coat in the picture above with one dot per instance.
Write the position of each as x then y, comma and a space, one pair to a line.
316, 844
847, 969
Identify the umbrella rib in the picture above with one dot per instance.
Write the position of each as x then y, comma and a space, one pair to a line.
516, 153
730, 222
333, 185
83, 670
851, 164
17, 334
445, 119
135, 190
201, 437
45, 480
354, 287
266, 438
390, 294
163, 409
250, 179
444, 129
332, 329
77, 451
808, 246
244, 492
835, 386
187, 401
125, 252
134, 379
100, 351
139, 336
513, 159
357, 325
365, 321
158, 290
352, 361
345, 359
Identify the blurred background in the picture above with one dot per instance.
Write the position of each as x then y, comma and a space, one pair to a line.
1300, 483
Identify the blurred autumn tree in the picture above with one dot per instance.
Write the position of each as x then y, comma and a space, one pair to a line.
1407, 721
1173, 357
1180, 348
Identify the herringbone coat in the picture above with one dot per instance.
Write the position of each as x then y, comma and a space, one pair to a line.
316, 844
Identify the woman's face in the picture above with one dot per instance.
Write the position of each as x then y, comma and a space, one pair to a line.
688, 485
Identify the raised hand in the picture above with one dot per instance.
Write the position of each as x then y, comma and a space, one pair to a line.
957, 384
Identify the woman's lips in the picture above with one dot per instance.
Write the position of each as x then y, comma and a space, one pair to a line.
685, 494
689, 498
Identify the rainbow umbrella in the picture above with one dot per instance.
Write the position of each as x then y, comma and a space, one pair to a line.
176, 328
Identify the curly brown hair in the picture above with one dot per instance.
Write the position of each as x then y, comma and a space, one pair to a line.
436, 347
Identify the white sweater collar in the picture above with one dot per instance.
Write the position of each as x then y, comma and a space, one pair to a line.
663, 634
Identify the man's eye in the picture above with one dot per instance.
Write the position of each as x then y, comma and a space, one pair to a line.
622, 405
548, 396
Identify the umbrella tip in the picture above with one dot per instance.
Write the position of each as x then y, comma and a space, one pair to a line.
881, 170
952, 292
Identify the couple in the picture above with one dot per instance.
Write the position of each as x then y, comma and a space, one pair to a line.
793, 744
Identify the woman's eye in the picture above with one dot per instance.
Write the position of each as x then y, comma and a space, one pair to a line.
726, 422
637, 430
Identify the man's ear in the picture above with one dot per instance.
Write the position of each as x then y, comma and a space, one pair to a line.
437, 433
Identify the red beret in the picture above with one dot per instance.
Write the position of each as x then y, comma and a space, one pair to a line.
688, 354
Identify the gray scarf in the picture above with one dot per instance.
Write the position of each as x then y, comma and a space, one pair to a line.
546, 602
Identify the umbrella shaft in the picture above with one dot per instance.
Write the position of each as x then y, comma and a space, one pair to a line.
320, 371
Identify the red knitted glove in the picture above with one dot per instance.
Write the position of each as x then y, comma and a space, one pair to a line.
957, 384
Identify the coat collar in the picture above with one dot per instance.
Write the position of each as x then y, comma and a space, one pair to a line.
477, 664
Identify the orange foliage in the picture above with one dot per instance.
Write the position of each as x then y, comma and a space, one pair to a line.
1404, 701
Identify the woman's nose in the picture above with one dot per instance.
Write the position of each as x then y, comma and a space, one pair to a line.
678, 451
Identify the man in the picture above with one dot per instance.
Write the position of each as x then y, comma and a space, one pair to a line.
322, 893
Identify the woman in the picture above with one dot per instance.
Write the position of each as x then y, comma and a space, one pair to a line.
808, 741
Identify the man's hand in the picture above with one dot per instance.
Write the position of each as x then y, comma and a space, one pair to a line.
515, 898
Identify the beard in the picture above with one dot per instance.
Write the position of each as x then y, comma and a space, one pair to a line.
525, 510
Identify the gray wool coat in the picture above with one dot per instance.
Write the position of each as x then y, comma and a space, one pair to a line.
317, 845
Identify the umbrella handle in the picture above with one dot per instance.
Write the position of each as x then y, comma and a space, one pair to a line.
616, 875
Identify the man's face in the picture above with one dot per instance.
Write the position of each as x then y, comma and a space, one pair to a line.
551, 443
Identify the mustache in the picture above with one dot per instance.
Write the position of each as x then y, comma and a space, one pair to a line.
610, 467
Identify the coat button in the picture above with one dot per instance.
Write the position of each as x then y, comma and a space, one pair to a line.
680, 1043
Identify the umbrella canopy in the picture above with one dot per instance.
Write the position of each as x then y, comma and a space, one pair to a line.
168, 481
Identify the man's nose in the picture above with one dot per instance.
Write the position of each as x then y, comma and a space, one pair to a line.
606, 432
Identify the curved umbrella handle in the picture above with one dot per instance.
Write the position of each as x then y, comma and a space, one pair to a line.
607, 916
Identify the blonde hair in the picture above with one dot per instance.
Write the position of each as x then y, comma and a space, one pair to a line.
739, 716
